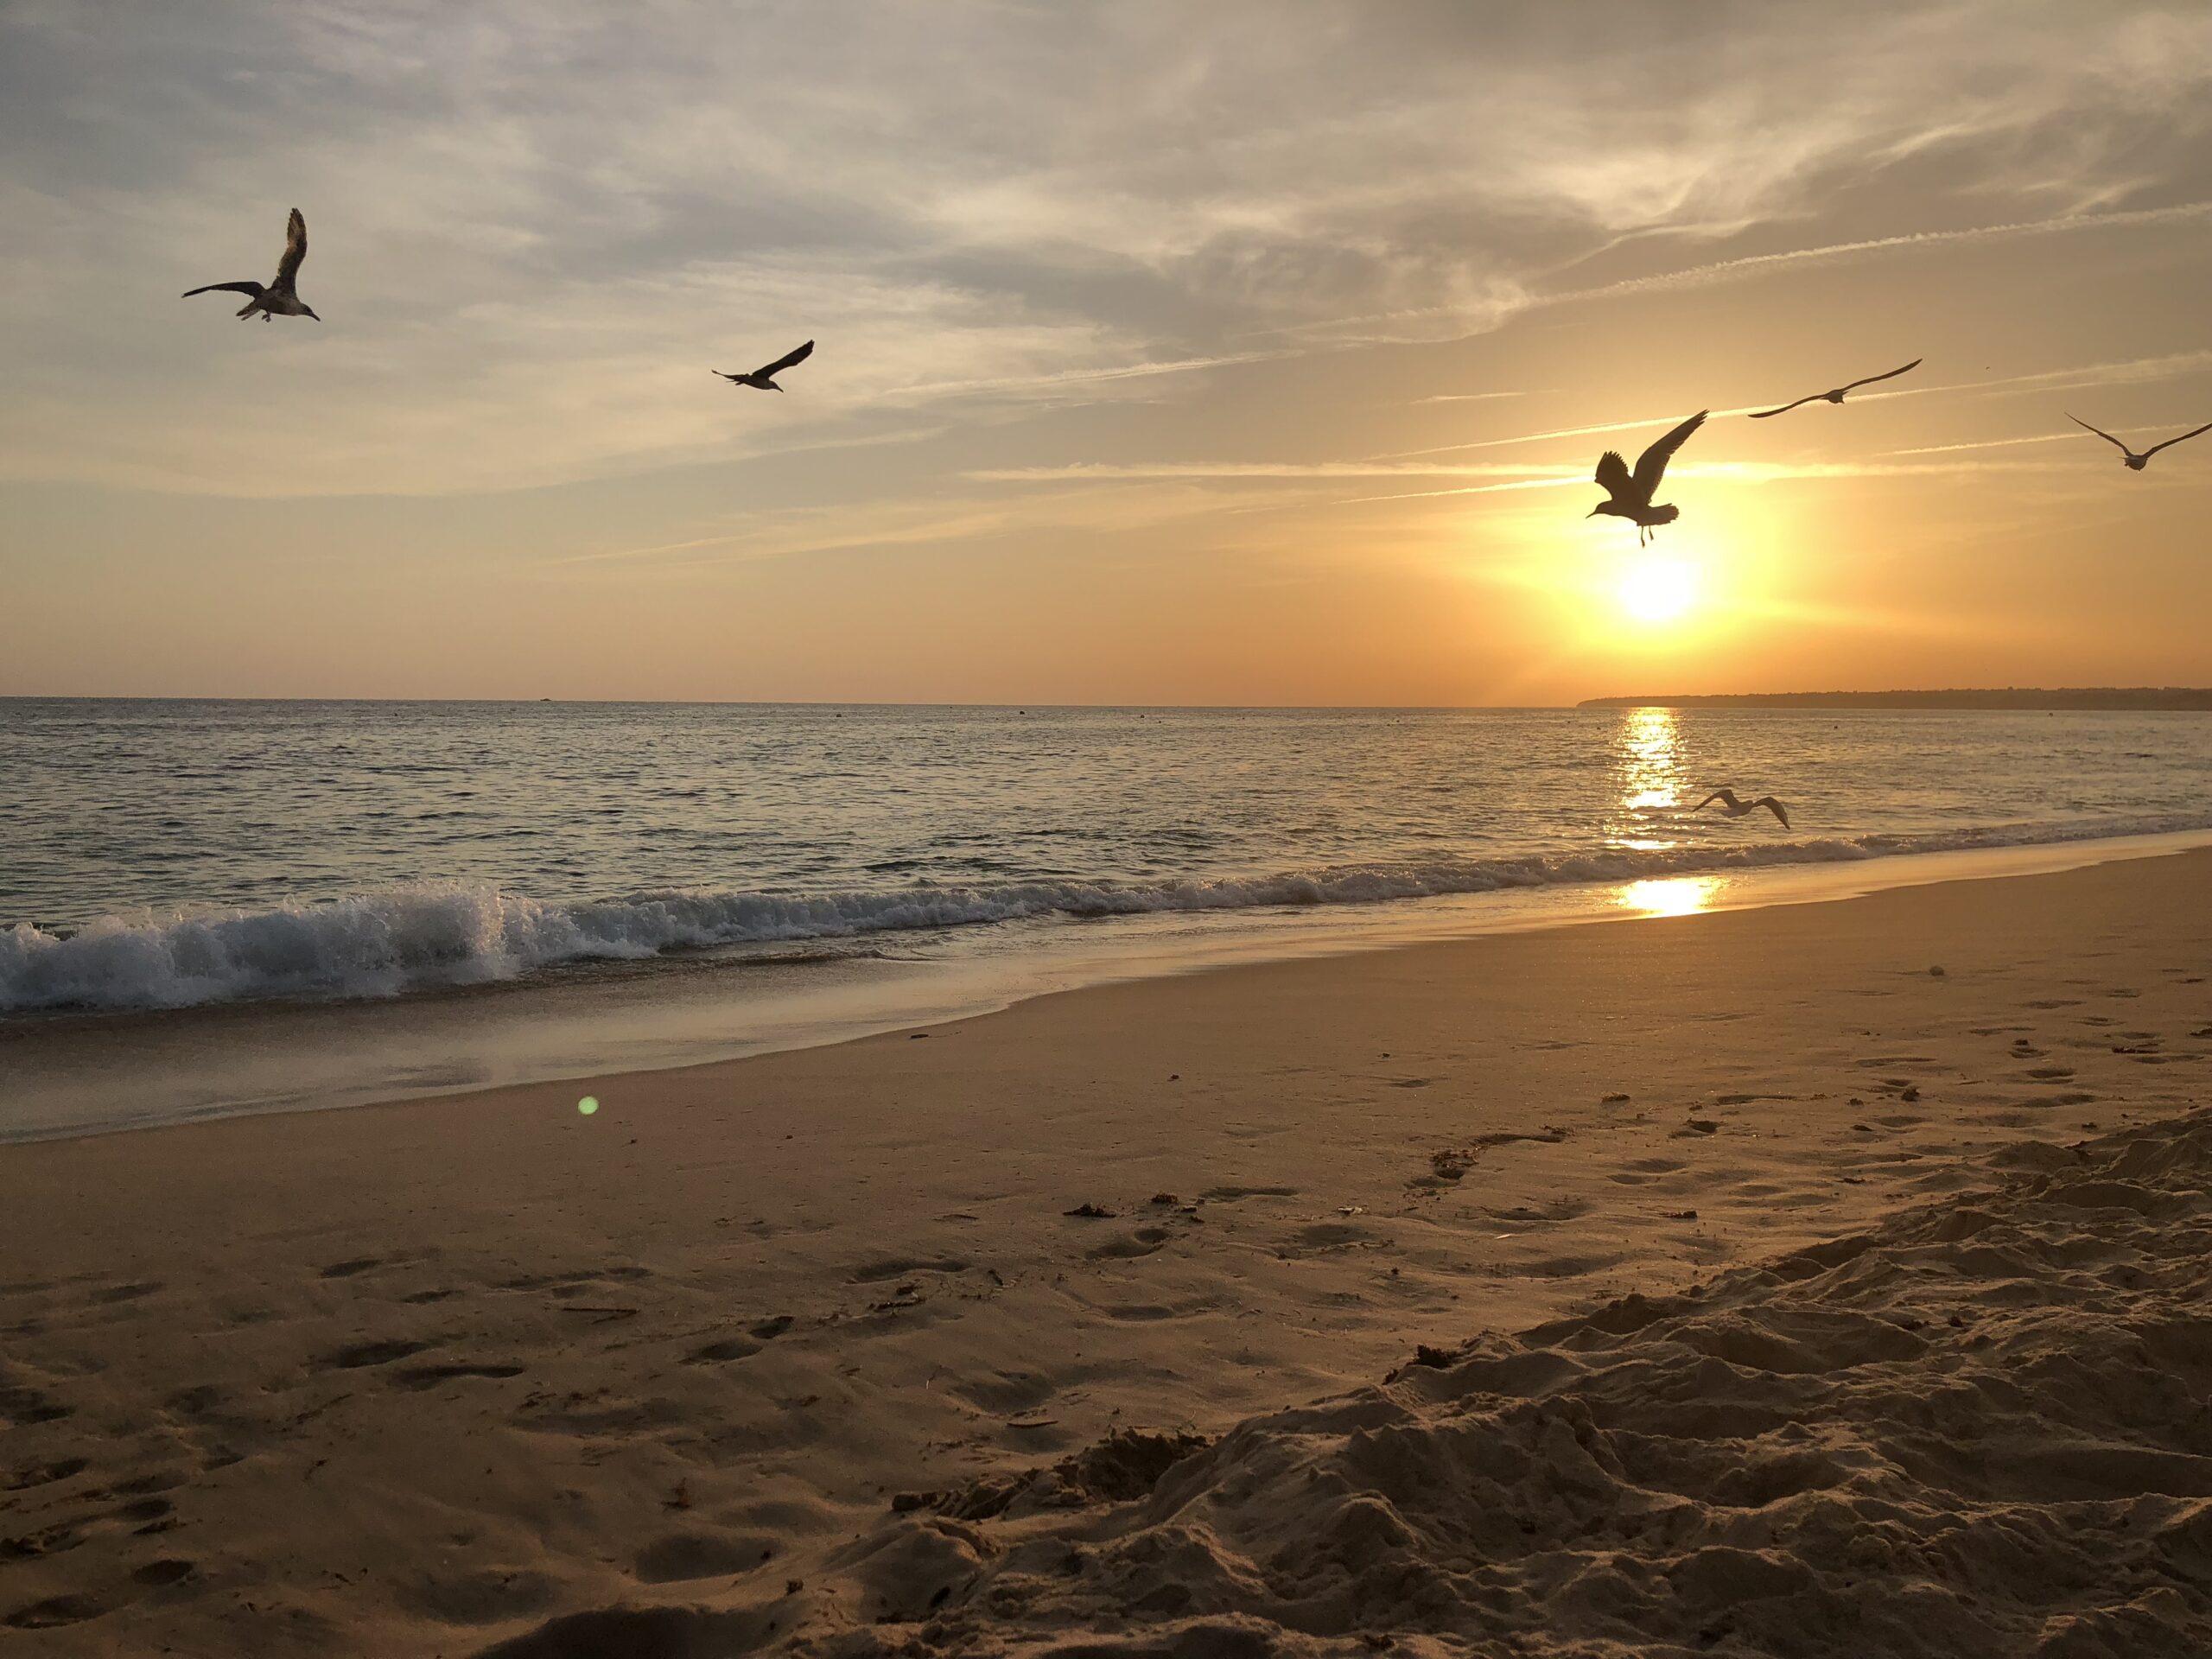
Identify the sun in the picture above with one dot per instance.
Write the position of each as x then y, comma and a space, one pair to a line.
1658, 590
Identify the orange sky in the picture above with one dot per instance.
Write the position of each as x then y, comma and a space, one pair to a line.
1161, 360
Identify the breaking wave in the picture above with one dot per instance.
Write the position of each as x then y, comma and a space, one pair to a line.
446, 934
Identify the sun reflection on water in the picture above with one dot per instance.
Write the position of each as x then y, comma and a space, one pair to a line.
1676, 895
1649, 775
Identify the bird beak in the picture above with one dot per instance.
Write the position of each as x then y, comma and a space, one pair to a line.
1592, 513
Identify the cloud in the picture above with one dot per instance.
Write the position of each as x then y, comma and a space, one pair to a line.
1760, 265
536, 221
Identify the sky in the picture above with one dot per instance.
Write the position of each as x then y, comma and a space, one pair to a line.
1244, 353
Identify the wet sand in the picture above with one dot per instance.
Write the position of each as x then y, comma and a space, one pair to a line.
429, 1377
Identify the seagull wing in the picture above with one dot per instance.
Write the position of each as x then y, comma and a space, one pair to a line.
295, 249
1727, 795
2170, 442
785, 362
1775, 807
1854, 384
1612, 473
1764, 413
254, 289
2106, 435
1651, 465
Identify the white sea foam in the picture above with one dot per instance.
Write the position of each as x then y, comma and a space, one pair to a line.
426, 935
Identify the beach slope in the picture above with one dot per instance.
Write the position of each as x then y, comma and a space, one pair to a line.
436, 1377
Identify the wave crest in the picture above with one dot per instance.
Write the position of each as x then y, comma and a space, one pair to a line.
444, 934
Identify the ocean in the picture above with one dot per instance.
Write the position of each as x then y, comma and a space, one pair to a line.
162, 854
211, 908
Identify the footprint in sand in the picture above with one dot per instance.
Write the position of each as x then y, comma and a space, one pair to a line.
1143, 1241
1324, 1237
872, 1272
199, 1400
2050, 1071
1230, 1194
158, 1574
22, 1406
161, 1480
681, 1557
348, 1269
366, 1354
43, 1474
769, 1330
124, 1293
418, 1377
54, 1613
717, 1353
48, 1541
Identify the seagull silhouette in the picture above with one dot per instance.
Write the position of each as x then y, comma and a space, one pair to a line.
278, 299
2129, 459
1629, 497
1736, 809
1836, 396
764, 379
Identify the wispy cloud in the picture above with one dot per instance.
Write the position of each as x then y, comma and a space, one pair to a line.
1758, 264
1470, 396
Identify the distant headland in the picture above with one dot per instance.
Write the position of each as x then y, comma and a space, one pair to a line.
2095, 696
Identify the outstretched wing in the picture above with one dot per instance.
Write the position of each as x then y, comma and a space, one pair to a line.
1775, 807
1651, 465
2106, 435
1786, 408
254, 289
295, 249
1725, 795
1891, 375
2170, 442
1612, 473
783, 363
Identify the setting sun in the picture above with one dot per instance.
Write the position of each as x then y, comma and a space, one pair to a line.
1659, 590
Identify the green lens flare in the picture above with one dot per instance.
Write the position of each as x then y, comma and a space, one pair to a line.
587, 1105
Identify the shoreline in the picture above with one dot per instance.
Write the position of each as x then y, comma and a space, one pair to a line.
258, 1058
673, 1355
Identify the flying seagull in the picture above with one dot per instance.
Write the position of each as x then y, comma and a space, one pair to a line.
1836, 396
764, 379
278, 299
2129, 459
1629, 497
1736, 809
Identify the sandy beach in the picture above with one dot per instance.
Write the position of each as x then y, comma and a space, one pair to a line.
1825, 1279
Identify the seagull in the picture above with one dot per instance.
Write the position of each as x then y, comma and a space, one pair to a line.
2129, 459
764, 379
1836, 396
277, 300
1631, 497
1736, 809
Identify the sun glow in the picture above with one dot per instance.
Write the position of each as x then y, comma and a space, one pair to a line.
1655, 591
